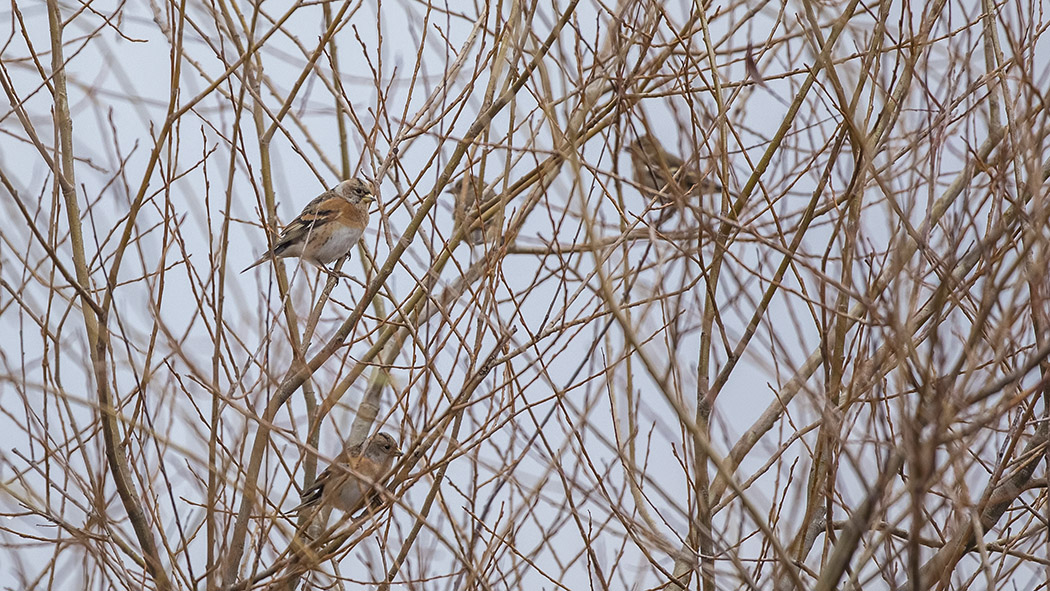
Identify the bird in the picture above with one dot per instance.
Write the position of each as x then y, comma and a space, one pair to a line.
327, 228
354, 477
467, 209
667, 175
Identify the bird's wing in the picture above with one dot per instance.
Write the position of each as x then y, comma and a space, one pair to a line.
312, 494
317, 213
673, 163
686, 175
313, 216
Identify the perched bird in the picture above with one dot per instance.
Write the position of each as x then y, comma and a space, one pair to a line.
466, 210
354, 477
661, 172
328, 227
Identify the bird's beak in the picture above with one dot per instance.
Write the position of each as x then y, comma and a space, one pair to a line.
398, 453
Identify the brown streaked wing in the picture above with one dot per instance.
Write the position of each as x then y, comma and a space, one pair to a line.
311, 218
312, 494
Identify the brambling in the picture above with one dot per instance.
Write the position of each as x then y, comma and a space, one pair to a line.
661, 172
354, 477
467, 209
328, 227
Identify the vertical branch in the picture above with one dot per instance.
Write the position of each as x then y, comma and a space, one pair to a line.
95, 326
881, 210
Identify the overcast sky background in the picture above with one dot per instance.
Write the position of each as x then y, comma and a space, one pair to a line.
119, 91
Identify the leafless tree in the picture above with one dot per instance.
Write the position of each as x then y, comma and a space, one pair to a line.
831, 372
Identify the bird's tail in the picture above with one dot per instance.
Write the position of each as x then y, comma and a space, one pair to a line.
258, 262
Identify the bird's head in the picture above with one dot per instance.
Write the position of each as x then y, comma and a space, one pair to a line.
644, 145
457, 187
356, 191
382, 447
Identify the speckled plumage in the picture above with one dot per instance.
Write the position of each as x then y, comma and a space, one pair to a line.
327, 228
665, 174
466, 210
354, 476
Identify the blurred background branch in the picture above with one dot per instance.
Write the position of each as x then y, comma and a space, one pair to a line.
800, 340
